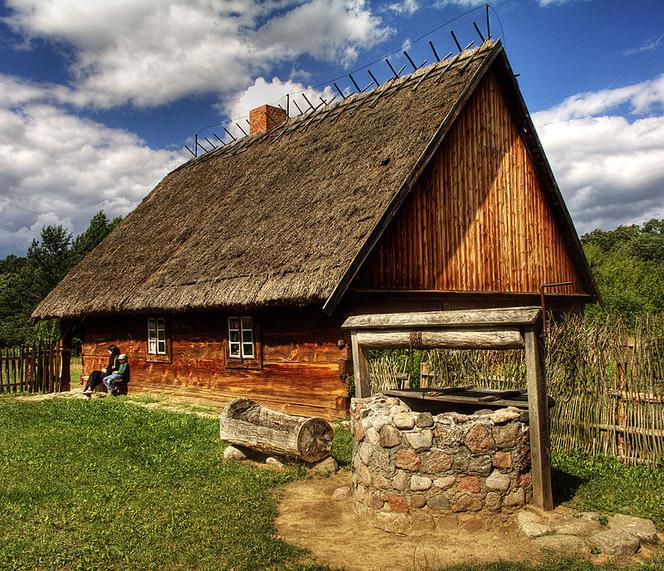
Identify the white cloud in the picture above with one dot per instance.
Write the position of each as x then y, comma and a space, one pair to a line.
273, 93
57, 168
149, 52
649, 45
610, 167
640, 97
408, 7
462, 3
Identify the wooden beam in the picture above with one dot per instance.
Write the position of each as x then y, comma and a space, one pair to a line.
501, 317
360, 369
538, 413
467, 339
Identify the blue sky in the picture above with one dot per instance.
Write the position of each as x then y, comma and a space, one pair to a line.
97, 97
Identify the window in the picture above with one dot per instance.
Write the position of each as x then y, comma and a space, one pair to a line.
241, 338
157, 336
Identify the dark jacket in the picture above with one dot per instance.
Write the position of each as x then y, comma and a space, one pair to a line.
112, 363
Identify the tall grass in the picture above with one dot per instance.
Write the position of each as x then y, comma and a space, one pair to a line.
607, 380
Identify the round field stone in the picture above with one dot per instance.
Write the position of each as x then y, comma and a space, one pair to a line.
437, 462
478, 439
498, 481
274, 463
424, 420
615, 542
324, 468
469, 483
641, 528
439, 502
408, 460
561, 544
515, 499
444, 482
466, 503
401, 481
232, 453
502, 460
376, 502
389, 436
480, 465
418, 501
420, 440
398, 504
508, 435
420, 483
404, 421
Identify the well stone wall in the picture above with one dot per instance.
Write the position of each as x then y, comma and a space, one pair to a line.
413, 470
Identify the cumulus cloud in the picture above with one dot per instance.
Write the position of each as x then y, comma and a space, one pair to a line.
57, 168
610, 166
151, 52
274, 92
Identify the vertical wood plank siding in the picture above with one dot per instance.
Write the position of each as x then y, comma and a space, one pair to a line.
302, 362
477, 219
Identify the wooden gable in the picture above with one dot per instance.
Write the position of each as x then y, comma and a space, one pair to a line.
477, 220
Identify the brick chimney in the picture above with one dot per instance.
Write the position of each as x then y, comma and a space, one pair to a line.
265, 118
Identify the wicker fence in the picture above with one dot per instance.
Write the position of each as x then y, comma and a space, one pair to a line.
31, 368
608, 382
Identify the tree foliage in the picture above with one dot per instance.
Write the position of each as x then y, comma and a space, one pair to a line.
628, 265
25, 281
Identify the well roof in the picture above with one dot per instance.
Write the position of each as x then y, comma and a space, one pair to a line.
281, 217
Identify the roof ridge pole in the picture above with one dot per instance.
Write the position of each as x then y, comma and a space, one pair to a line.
488, 26
410, 60
433, 49
458, 45
479, 33
396, 75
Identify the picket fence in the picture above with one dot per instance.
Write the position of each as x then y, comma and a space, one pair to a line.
31, 368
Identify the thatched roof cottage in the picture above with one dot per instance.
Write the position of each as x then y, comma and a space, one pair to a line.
431, 191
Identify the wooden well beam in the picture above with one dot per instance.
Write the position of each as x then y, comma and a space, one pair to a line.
504, 328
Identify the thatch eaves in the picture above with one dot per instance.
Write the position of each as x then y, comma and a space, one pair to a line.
278, 218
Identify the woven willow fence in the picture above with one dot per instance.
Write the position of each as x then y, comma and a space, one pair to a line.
608, 382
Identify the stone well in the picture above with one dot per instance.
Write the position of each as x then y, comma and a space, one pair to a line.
412, 470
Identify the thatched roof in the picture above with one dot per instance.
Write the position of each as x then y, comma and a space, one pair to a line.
275, 218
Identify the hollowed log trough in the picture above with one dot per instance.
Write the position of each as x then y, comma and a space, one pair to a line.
246, 423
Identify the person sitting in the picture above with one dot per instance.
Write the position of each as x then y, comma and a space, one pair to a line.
96, 377
119, 376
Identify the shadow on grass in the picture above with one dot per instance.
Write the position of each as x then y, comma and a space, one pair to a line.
565, 485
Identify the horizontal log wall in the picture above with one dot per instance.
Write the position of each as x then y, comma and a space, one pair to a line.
302, 362
477, 219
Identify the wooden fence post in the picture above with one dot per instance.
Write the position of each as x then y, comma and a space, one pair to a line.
538, 413
65, 348
360, 368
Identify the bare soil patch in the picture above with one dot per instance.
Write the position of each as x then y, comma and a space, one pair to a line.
308, 517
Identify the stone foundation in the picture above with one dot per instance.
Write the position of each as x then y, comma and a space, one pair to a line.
412, 470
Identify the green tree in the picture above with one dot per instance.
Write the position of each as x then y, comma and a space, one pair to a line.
628, 265
97, 230
25, 281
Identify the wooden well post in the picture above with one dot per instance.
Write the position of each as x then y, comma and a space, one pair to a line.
502, 328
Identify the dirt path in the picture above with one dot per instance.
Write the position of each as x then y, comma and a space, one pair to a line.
309, 518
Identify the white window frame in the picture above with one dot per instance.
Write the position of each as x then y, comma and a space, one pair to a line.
241, 341
157, 336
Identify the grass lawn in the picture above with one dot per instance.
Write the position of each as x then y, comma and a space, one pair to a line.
104, 484
604, 484
107, 485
